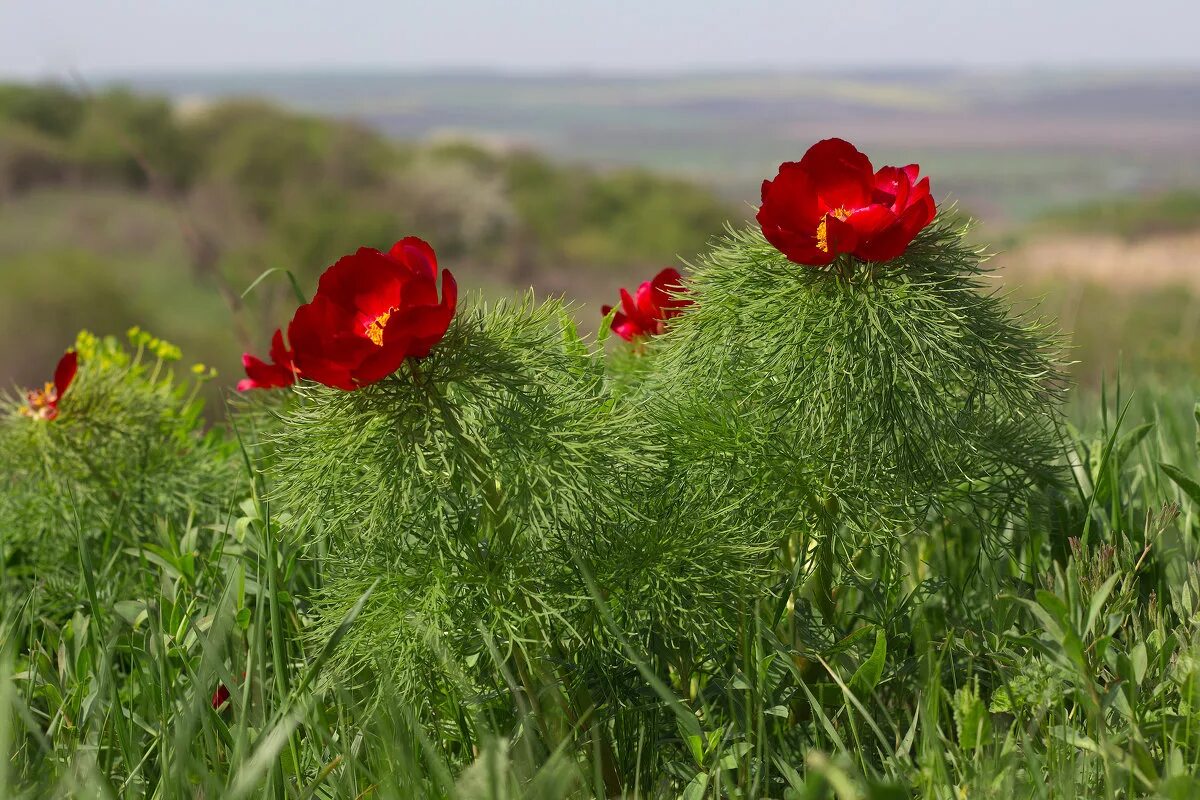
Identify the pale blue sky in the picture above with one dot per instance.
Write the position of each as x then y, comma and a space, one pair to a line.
98, 37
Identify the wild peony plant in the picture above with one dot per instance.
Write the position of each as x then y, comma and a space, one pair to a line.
114, 447
468, 467
843, 368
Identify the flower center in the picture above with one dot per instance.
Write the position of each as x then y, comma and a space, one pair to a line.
374, 330
42, 403
823, 227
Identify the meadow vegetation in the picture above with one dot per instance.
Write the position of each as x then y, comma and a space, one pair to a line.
825, 533
193, 611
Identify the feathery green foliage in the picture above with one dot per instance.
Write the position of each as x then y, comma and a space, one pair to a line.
480, 493
875, 389
129, 445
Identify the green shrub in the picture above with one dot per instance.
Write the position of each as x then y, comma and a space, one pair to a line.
128, 453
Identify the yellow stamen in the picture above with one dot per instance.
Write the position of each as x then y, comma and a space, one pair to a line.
375, 328
823, 227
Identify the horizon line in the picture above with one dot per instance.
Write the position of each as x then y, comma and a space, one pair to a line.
592, 72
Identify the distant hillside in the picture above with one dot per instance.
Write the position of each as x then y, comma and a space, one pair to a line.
1008, 145
123, 209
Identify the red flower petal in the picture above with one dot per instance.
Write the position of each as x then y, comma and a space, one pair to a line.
843, 176
428, 324
840, 236
625, 329
920, 191
630, 306
801, 248
367, 283
221, 695
313, 334
279, 352
790, 215
892, 187
656, 300
892, 242
64, 374
646, 300
385, 359
791, 200
917, 216
871, 222
669, 288
260, 375
417, 254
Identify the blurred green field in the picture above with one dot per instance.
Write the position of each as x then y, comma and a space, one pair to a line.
1132, 218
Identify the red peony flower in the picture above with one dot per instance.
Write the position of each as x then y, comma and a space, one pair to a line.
43, 403
655, 302
832, 202
261, 375
372, 310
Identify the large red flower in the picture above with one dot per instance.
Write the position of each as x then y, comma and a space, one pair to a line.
656, 301
832, 202
261, 375
372, 310
43, 403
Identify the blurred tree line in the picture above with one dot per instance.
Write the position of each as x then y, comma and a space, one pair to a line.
118, 209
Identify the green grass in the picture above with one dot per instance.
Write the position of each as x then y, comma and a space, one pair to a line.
1051, 659
1150, 335
1131, 217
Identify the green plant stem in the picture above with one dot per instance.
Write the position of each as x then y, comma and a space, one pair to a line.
821, 581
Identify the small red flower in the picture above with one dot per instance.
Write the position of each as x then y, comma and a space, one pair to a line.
655, 302
43, 403
261, 375
832, 202
372, 310
221, 695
